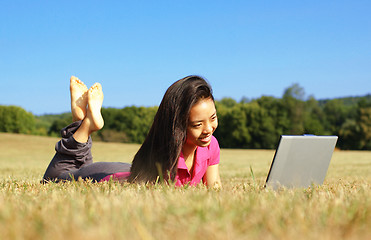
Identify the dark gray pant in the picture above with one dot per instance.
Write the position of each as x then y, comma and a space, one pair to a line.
74, 160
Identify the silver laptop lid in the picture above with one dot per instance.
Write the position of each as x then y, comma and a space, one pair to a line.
301, 161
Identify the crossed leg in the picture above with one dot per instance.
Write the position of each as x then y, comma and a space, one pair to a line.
73, 157
93, 121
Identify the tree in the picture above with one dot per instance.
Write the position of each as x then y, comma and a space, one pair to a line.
294, 105
273, 121
228, 102
58, 124
261, 126
294, 91
131, 124
336, 113
349, 135
15, 119
314, 118
364, 123
232, 131
355, 133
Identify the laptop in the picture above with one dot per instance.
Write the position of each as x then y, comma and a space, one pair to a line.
300, 161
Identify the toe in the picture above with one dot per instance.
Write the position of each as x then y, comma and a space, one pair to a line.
73, 78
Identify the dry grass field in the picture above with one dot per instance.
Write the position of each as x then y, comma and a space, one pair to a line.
243, 209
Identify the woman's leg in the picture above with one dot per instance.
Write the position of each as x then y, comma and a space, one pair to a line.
91, 123
96, 171
73, 157
79, 99
74, 160
74, 150
70, 155
93, 120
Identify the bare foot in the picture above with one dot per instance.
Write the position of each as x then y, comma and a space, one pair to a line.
79, 98
95, 101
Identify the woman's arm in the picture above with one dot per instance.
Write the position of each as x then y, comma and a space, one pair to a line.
212, 178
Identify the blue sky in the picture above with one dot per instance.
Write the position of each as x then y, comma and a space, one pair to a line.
136, 49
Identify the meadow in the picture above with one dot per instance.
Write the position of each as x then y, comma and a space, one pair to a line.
242, 209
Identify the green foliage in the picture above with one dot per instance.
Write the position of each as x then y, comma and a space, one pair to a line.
250, 123
294, 91
15, 119
130, 124
314, 118
356, 132
234, 132
58, 122
47, 124
294, 104
364, 121
274, 122
228, 102
259, 123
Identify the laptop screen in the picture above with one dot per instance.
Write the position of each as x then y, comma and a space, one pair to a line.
301, 161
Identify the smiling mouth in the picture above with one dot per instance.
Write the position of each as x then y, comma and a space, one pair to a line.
206, 139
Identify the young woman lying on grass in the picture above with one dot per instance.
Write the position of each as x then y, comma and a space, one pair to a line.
180, 145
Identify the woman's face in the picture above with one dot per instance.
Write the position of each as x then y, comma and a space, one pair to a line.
202, 123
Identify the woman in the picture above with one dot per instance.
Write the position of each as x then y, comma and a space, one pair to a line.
179, 146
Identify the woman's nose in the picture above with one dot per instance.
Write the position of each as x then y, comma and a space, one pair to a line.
208, 128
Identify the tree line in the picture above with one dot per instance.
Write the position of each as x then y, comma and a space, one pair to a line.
256, 123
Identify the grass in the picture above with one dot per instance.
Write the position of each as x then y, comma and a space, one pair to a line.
243, 209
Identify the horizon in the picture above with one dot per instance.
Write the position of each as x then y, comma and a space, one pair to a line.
217, 100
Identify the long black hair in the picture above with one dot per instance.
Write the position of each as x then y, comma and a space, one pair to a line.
162, 147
